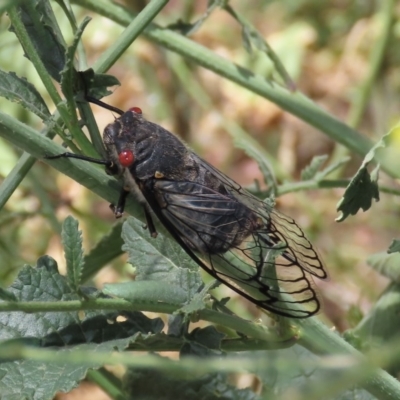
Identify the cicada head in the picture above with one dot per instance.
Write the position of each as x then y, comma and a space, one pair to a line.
146, 149
128, 140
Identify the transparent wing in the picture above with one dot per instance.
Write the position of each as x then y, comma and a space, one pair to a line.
243, 242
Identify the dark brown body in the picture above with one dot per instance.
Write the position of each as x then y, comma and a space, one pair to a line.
173, 179
237, 238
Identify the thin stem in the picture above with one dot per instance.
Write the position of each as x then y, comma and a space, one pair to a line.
355, 369
363, 93
375, 62
106, 382
134, 29
325, 184
248, 328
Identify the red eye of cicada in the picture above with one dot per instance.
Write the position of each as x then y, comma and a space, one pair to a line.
137, 110
126, 158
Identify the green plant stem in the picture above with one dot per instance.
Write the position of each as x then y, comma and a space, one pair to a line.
295, 103
263, 46
248, 328
15, 177
354, 369
105, 382
317, 338
363, 93
85, 173
134, 29
324, 184
90, 358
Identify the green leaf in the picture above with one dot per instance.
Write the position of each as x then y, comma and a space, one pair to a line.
44, 32
108, 248
96, 85
95, 331
198, 301
159, 259
310, 171
394, 246
203, 342
20, 91
386, 264
71, 239
361, 191
35, 380
44, 283
363, 187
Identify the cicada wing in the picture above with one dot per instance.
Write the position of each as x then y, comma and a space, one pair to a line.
281, 227
241, 241
261, 269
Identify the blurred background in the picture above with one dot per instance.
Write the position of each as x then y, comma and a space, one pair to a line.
326, 47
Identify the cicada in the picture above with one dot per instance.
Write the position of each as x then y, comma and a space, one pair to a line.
238, 239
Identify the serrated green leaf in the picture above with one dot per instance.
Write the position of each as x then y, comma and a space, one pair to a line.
20, 91
45, 34
35, 380
386, 264
159, 259
96, 85
394, 246
359, 194
95, 331
198, 301
310, 171
363, 187
71, 239
108, 248
44, 283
